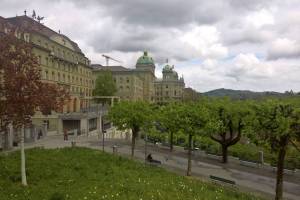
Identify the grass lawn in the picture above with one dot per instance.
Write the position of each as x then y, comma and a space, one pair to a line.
81, 173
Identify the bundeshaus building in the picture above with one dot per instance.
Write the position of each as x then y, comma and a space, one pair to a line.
62, 62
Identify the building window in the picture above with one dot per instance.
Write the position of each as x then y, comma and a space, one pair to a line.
46, 75
53, 76
40, 59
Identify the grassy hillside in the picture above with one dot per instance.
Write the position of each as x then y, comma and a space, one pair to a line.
81, 173
242, 94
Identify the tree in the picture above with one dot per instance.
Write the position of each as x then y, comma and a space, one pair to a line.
167, 121
105, 85
22, 91
226, 122
131, 115
193, 118
276, 123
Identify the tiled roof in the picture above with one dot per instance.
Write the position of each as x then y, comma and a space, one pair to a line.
29, 24
111, 68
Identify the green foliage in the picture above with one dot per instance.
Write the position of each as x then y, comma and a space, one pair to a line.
105, 85
131, 115
274, 120
81, 173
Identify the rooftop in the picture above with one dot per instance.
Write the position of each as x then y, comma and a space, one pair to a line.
99, 67
29, 24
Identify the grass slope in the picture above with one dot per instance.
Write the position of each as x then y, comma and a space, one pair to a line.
81, 173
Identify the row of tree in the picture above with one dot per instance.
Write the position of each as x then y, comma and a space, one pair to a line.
271, 122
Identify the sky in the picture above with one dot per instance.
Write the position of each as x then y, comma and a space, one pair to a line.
237, 44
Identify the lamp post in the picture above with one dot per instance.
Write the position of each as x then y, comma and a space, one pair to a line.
146, 139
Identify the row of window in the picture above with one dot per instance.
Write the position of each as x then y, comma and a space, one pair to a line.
66, 54
63, 66
85, 91
167, 93
67, 79
121, 80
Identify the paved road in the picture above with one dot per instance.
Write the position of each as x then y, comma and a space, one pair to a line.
247, 179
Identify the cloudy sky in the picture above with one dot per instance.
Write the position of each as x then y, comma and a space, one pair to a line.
238, 44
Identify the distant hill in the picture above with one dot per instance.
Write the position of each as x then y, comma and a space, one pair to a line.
244, 94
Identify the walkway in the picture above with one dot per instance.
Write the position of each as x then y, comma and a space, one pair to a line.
247, 179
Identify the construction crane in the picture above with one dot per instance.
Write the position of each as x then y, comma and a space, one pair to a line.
107, 58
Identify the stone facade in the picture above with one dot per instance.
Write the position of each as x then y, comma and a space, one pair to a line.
129, 85
140, 83
133, 84
61, 62
170, 87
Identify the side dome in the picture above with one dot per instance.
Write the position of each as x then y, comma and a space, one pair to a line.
145, 60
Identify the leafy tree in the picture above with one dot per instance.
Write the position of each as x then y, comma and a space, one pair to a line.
132, 115
189, 119
105, 85
167, 121
276, 124
226, 122
22, 91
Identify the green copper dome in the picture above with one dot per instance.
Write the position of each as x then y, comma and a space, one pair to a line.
145, 60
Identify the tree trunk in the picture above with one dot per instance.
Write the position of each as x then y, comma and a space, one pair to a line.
224, 153
189, 167
23, 166
280, 167
133, 143
171, 141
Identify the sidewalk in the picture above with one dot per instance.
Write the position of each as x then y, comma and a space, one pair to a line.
247, 179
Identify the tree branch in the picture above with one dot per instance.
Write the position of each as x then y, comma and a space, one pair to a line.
216, 139
298, 149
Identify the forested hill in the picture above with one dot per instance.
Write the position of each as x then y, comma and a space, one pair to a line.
245, 94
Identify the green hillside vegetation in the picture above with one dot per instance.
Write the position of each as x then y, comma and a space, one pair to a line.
81, 173
245, 94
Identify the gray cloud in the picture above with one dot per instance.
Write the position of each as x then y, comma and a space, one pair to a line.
237, 43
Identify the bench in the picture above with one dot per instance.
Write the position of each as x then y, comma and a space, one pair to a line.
223, 180
154, 162
249, 163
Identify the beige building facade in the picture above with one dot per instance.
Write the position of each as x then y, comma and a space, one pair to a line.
133, 83
170, 87
140, 83
61, 62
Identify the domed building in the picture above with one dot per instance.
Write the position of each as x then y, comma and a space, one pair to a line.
145, 69
170, 87
140, 82
145, 62
133, 84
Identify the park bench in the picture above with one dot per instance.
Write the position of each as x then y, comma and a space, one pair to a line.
154, 163
223, 180
249, 163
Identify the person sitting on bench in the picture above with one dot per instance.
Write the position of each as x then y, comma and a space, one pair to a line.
151, 160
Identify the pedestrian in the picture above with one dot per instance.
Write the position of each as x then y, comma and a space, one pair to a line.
65, 134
